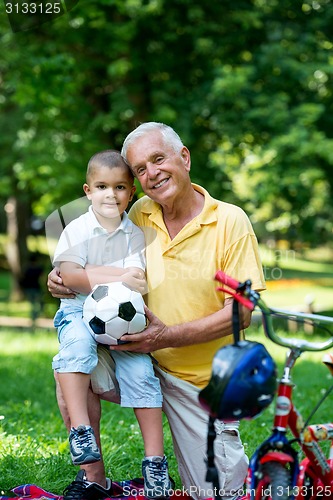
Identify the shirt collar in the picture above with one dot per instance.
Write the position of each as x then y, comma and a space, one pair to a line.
206, 216
124, 226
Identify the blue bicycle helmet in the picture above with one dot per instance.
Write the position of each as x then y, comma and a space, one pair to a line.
242, 384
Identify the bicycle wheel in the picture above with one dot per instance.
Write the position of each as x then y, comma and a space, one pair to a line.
312, 488
274, 483
308, 489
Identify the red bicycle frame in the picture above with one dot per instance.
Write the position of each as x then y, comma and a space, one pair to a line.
313, 477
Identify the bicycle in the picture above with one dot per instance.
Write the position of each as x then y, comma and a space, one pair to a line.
275, 472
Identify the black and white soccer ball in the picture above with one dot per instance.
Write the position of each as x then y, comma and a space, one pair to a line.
112, 310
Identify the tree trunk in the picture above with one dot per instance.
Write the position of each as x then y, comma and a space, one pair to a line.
17, 250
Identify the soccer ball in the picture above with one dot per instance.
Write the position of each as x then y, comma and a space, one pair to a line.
113, 309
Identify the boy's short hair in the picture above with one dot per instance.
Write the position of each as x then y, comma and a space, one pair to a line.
107, 158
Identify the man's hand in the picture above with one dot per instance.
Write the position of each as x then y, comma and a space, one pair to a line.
154, 337
159, 336
56, 288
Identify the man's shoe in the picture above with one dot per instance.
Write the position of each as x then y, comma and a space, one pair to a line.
81, 489
83, 446
156, 478
95, 491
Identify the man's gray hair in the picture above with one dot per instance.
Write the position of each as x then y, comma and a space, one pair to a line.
169, 135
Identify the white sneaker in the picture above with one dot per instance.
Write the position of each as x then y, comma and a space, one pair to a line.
156, 478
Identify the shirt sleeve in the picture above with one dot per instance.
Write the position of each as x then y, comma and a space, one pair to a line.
72, 246
136, 250
242, 259
243, 262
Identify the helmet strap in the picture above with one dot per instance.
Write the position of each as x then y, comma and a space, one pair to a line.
235, 321
212, 475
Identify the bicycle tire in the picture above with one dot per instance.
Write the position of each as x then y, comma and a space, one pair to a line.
312, 488
275, 483
308, 492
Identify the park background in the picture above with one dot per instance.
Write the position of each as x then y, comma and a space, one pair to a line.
247, 84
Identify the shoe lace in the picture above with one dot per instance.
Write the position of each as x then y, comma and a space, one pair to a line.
158, 471
83, 438
75, 491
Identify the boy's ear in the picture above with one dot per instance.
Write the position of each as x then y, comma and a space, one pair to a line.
86, 189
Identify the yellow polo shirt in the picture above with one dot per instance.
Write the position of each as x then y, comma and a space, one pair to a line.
180, 274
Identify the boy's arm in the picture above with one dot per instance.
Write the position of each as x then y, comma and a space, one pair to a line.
133, 276
82, 280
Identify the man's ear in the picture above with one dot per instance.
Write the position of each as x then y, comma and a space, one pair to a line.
186, 156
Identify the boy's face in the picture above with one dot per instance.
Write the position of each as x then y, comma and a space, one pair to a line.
110, 190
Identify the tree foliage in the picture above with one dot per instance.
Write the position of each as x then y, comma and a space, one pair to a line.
246, 83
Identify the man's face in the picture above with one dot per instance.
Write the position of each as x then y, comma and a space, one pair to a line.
162, 172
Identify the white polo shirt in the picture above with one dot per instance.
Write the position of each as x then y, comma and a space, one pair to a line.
85, 241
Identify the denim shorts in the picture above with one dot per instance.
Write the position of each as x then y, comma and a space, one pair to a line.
138, 385
77, 347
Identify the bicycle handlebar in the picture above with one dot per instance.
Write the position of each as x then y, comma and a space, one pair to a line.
243, 293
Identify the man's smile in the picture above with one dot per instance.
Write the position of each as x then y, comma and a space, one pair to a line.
161, 183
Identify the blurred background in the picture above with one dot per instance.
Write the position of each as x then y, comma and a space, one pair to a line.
247, 84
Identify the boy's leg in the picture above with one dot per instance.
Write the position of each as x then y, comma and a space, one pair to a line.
189, 426
155, 472
74, 388
91, 481
75, 361
140, 390
151, 426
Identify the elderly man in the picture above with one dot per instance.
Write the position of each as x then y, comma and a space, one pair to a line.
189, 235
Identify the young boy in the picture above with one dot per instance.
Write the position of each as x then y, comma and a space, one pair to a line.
101, 246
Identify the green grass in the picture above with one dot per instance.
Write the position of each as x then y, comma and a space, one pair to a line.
293, 278
33, 440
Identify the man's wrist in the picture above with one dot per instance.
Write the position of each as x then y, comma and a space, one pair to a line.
174, 336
